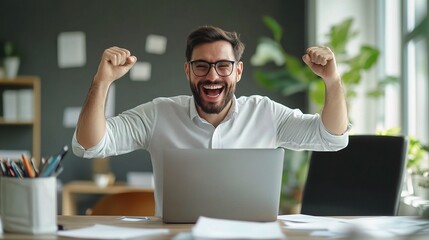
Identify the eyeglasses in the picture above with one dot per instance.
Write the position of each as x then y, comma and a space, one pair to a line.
201, 68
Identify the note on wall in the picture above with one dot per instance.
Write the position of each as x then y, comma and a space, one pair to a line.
71, 49
141, 71
71, 114
156, 44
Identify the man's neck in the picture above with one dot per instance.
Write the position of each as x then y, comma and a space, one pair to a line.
215, 118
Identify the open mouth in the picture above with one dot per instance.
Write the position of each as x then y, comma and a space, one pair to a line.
213, 90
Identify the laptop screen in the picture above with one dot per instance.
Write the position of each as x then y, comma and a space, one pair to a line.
239, 184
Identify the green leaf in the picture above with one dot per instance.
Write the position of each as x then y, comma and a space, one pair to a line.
388, 80
291, 89
351, 77
340, 35
274, 80
366, 58
375, 93
317, 93
274, 26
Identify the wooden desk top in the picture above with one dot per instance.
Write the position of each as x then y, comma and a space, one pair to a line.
73, 222
91, 187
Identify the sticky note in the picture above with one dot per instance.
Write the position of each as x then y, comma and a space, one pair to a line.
141, 71
71, 49
156, 44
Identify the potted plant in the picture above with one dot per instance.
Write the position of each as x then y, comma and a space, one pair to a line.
417, 177
11, 59
280, 71
294, 76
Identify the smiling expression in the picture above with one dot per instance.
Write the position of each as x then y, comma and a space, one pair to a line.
212, 93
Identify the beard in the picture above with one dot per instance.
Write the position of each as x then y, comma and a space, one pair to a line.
212, 107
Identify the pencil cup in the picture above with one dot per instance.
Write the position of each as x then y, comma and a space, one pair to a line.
28, 205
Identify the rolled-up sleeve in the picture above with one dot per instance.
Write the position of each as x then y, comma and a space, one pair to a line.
93, 152
299, 131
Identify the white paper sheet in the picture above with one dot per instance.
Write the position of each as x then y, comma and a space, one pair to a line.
100, 231
232, 229
371, 227
71, 49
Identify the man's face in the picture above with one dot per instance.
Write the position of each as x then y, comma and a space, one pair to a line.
212, 92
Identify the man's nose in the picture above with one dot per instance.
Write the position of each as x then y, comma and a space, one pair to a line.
212, 74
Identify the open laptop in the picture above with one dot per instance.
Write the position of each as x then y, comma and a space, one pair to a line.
238, 184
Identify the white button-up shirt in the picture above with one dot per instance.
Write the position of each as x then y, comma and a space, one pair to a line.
165, 123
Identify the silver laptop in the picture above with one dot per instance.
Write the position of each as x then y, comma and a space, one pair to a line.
238, 184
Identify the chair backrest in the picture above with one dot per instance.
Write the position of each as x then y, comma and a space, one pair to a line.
136, 203
363, 179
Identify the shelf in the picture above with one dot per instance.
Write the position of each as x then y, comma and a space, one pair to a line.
23, 82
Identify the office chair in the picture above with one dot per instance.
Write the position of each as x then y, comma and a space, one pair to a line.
137, 203
363, 179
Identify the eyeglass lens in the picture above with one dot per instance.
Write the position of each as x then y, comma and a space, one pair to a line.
202, 68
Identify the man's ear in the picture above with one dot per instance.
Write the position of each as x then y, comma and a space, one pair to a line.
239, 70
187, 71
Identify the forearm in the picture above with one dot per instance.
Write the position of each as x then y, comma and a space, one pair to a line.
334, 113
92, 121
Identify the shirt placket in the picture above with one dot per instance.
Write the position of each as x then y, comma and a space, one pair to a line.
216, 141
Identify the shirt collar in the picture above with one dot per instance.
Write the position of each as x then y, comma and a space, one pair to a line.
193, 113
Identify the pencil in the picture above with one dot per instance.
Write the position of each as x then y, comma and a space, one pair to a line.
28, 168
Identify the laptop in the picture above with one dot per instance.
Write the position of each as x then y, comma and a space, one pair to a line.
236, 184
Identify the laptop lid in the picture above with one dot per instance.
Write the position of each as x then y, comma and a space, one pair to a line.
239, 184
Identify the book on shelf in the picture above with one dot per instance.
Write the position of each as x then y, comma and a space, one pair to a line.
18, 105
13, 154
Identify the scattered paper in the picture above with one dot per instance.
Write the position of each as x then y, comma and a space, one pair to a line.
232, 229
100, 231
134, 219
371, 227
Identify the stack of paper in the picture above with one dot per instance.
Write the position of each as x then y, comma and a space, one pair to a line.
231, 229
369, 227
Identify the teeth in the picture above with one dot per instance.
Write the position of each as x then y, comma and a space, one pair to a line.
214, 86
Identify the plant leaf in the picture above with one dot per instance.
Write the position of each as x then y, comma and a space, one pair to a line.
340, 34
274, 26
366, 58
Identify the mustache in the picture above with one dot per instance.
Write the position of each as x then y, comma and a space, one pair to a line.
208, 82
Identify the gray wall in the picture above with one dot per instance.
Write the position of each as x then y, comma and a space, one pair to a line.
34, 26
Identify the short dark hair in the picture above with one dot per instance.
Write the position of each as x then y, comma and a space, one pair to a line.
209, 34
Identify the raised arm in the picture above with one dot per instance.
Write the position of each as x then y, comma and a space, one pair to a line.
115, 62
321, 61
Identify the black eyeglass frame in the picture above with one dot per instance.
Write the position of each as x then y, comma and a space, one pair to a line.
211, 64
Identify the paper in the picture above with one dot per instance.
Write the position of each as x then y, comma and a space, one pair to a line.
71, 49
141, 71
134, 219
308, 222
141, 179
232, 229
371, 227
71, 114
100, 231
70, 117
156, 44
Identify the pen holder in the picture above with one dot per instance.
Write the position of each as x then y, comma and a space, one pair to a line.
28, 205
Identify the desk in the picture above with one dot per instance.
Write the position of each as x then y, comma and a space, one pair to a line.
89, 187
72, 222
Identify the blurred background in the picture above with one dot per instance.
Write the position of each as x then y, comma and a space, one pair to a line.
390, 91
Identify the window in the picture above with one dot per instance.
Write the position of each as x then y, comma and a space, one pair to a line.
415, 68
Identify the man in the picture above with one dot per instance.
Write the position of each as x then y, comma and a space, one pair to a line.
213, 117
